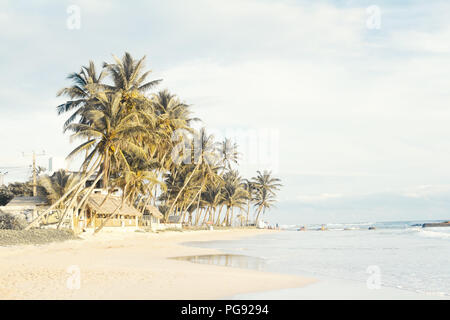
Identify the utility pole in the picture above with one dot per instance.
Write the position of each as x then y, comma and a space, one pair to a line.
34, 155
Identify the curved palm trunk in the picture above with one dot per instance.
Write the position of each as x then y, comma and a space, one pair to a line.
218, 215
212, 214
208, 211
225, 219
83, 200
75, 187
105, 171
72, 202
187, 207
184, 186
145, 205
257, 216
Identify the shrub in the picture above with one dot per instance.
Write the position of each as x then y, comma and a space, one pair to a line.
11, 222
5, 196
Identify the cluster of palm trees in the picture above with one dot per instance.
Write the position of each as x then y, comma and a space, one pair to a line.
144, 144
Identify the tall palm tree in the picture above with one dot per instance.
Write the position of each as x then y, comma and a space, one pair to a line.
212, 197
110, 133
171, 115
233, 193
264, 191
203, 155
250, 188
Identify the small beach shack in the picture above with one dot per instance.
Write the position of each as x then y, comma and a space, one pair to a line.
151, 215
27, 207
99, 208
157, 222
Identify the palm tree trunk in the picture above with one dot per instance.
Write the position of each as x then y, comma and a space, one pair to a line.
206, 214
88, 193
225, 219
184, 186
257, 216
105, 171
82, 181
213, 215
218, 215
183, 213
193, 199
71, 203
248, 212
232, 216
113, 215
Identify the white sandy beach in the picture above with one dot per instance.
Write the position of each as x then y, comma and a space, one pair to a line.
130, 266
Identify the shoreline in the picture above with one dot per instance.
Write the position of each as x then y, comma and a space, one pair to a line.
132, 266
329, 288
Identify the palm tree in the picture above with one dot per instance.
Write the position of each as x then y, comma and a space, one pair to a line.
249, 187
115, 121
58, 184
129, 139
212, 197
110, 134
228, 152
264, 191
233, 194
85, 85
203, 152
128, 75
170, 115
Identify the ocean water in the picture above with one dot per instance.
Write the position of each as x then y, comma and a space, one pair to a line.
396, 255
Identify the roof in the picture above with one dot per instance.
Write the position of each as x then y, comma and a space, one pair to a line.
27, 202
154, 211
97, 203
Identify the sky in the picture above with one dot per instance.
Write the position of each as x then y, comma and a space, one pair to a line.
346, 101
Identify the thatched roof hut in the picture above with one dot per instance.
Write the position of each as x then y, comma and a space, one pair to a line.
99, 205
154, 211
98, 213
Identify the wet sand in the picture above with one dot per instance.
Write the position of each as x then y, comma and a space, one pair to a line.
131, 266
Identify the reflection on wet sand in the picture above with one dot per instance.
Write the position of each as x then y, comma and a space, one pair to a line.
227, 260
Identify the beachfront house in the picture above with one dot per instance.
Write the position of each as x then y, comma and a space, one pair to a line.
154, 219
99, 208
26, 207
151, 216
